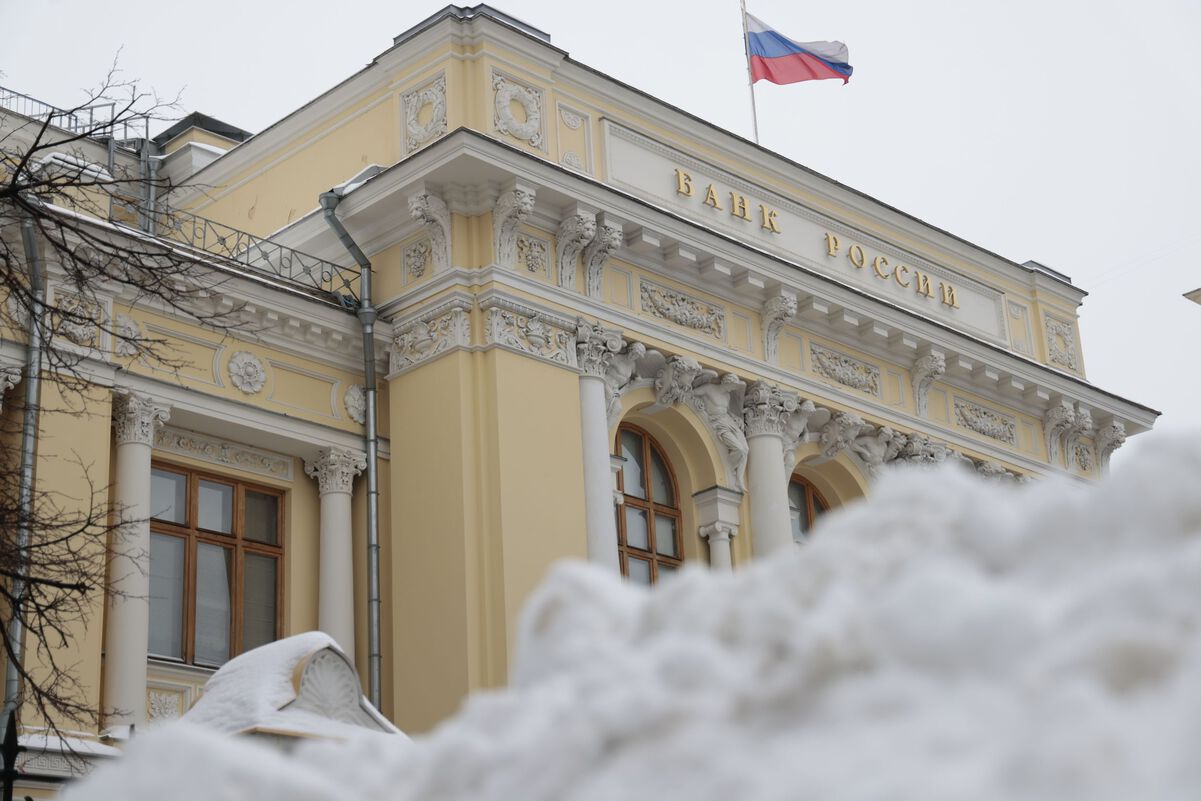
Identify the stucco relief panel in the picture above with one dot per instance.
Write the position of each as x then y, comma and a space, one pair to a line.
424, 110
519, 110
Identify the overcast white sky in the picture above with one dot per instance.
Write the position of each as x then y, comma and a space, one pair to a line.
1066, 132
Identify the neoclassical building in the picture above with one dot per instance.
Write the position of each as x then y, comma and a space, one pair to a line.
603, 329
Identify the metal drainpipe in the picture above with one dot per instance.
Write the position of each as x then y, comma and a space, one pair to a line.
366, 314
29, 430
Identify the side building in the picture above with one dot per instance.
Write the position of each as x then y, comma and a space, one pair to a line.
606, 330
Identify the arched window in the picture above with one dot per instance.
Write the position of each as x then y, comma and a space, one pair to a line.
805, 503
648, 522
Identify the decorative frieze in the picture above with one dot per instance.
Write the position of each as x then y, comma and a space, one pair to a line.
683, 310
355, 401
335, 469
845, 370
221, 452
532, 254
777, 311
434, 332
1061, 343
247, 373
529, 331
609, 237
986, 422
575, 232
925, 370
529, 128
431, 211
512, 208
135, 418
432, 96
417, 258
79, 320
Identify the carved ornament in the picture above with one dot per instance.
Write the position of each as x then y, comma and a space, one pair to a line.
335, 469
924, 372
575, 232
246, 372
529, 98
218, 451
845, 370
135, 418
433, 96
986, 422
776, 312
511, 209
682, 309
432, 333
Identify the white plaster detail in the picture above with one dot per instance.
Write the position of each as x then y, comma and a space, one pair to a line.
766, 409
925, 370
528, 331
219, 451
355, 401
608, 238
778, 310
683, 310
622, 370
718, 401
986, 422
128, 335
1061, 343
246, 372
573, 160
718, 520
135, 417
417, 258
432, 212
9, 378
1057, 420
529, 98
1083, 457
1108, 439
511, 209
163, 705
1081, 425
575, 232
839, 433
596, 347
82, 327
329, 687
434, 332
432, 95
570, 118
532, 254
335, 469
845, 370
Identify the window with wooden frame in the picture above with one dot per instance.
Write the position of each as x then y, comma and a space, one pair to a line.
216, 559
648, 521
805, 503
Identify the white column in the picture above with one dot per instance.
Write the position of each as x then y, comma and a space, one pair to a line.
595, 347
127, 628
766, 410
335, 469
717, 522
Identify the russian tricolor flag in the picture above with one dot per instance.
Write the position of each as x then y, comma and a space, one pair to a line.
776, 58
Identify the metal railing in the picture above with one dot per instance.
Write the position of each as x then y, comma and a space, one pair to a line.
259, 255
96, 121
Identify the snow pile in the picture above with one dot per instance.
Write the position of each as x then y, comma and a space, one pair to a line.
949, 639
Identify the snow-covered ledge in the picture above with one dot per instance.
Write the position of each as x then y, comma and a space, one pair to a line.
299, 687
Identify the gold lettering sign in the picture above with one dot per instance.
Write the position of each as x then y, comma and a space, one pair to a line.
858, 257
740, 205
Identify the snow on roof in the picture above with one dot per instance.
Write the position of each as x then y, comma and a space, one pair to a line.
947, 639
301, 686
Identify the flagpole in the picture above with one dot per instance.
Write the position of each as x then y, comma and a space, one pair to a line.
750, 77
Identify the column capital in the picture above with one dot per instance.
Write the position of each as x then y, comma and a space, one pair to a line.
136, 417
595, 347
335, 469
718, 532
767, 409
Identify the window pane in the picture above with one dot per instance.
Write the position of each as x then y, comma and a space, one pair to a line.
168, 496
261, 517
166, 595
639, 570
798, 524
818, 506
258, 601
665, 536
216, 502
661, 482
213, 603
666, 571
796, 495
636, 535
632, 470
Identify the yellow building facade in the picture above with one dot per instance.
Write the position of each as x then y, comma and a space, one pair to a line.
606, 330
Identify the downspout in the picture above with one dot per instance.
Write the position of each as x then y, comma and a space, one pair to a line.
29, 430
366, 314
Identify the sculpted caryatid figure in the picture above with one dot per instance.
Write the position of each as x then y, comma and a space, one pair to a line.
718, 401
877, 446
621, 371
